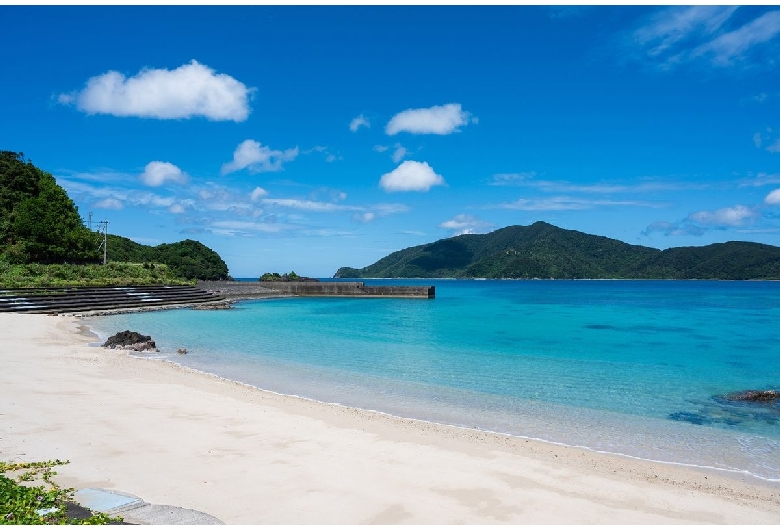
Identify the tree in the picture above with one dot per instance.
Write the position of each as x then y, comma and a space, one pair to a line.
40, 222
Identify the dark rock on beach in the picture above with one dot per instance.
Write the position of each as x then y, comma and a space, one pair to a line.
754, 396
130, 340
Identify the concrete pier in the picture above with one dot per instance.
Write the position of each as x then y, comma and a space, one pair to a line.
246, 290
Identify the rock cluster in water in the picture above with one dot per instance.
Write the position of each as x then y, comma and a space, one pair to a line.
130, 340
755, 396
223, 304
735, 408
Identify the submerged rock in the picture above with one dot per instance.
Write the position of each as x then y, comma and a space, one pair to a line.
223, 304
754, 396
130, 340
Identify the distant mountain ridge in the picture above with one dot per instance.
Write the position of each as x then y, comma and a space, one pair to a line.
542, 250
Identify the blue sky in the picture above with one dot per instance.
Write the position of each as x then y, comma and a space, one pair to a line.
309, 138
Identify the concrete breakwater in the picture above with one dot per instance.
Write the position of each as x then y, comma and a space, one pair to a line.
351, 289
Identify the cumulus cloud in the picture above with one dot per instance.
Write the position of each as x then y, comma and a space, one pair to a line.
443, 119
773, 197
188, 91
698, 223
176, 208
109, 203
724, 217
359, 122
158, 173
258, 158
466, 224
411, 176
257, 193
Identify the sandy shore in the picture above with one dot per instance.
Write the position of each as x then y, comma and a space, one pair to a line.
174, 436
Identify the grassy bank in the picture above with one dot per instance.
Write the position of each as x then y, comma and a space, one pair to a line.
37, 275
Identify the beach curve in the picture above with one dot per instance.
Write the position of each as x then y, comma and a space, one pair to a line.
176, 436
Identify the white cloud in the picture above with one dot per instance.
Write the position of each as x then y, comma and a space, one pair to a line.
158, 173
735, 216
774, 147
680, 23
682, 34
411, 176
380, 148
444, 119
773, 197
176, 208
399, 153
109, 203
466, 224
567, 203
312, 206
509, 179
389, 209
257, 193
234, 227
359, 122
757, 139
258, 158
365, 217
729, 46
190, 90
762, 179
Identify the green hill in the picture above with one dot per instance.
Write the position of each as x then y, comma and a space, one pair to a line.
188, 259
542, 250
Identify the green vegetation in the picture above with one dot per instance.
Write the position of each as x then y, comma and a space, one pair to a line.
188, 259
276, 277
38, 221
542, 250
64, 275
43, 241
43, 504
286, 277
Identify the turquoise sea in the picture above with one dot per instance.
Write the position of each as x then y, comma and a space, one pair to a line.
627, 367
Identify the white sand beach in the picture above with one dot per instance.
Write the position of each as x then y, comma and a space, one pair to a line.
177, 437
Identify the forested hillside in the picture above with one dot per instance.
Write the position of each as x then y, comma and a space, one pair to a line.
189, 259
542, 250
38, 221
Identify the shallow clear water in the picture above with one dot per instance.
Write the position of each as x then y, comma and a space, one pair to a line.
630, 367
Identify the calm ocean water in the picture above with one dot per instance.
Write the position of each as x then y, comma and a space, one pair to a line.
627, 367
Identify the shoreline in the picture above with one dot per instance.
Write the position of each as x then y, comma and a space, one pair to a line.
174, 435
729, 474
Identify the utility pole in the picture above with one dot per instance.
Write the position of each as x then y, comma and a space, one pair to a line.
103, 225
90, 221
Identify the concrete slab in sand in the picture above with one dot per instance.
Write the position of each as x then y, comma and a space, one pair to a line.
134, 510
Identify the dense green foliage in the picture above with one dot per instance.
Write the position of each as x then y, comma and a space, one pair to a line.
91, 275
43, 504
38, 221
542, 250
286, 277
189, 259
